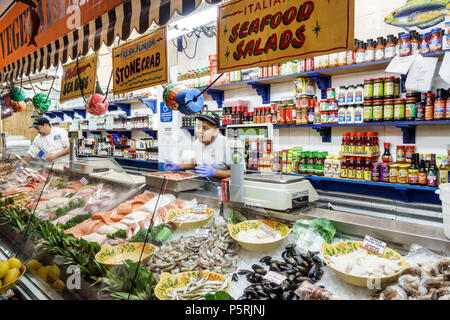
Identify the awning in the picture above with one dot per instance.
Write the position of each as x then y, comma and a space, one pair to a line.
120, 21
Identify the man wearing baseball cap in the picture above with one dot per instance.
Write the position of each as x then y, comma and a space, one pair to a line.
51, 143
212, 158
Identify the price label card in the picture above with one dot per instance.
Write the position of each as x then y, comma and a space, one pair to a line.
84, 181
200, 208
264, 227
202, 233
400, 65
275, 277
374, 245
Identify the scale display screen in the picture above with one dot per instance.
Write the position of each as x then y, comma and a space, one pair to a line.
248, 133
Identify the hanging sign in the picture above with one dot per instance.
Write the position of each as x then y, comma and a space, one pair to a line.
24, 30
257, 33
70, 83
141, 63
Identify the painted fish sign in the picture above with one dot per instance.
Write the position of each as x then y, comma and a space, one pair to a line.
419, 13
71, 85
141, 63
257, 33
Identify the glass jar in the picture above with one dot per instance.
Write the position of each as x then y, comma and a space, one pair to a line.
368, 111
409, 153
403, 173
378, 107
384, 172
393, 173
397, 88
376, 171
389, 84
436, 40
378, 87
401, 154
410, 109
389, 109
331, 93
389, 51
399, 110
290, 113
405, 46
281, 114
424, 44
368, 88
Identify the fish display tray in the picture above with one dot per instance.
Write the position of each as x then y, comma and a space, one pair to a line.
174, 181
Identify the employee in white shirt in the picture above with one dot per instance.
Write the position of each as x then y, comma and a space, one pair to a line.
51, 143
212, 158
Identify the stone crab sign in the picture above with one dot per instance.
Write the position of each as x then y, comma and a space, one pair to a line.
257, 33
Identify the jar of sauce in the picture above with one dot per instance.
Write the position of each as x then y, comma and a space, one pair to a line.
440, 105
331, 93
378, 110
397, 88
378, 87
384, 172
370, 51
359, 169
360, 53
351, 168
379, 49
405, 46
399, 110
401, 154
344, 168
368, 88
410, 153
410, 109
398, 43
403, 173
393, 173
414, 42
281, 114
435, 40
389, 109
290, 113
376, 171
368, 111
389, 85
429, 106
367, 170
389, 50
424, 45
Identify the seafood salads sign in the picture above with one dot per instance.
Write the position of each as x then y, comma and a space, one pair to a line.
140, 63
72, 84
256, 33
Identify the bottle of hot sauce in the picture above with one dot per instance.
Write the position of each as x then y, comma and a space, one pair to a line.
351, 168
422, 174
432, 174
359, 169
368, 170
344, 168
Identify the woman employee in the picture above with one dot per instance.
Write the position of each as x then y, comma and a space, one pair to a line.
211, 155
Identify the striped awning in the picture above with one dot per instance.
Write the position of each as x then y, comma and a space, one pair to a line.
120, 21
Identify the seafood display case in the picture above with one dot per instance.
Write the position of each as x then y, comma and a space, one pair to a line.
41, 209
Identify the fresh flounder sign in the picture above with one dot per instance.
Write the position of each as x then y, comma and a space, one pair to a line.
256, 33
140, 63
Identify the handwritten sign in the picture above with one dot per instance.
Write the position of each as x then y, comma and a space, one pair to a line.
374, 245
71, 85
200, 208
141, 63
261, 32
275, 277
84, 181
421, 73
444, 71
400, 65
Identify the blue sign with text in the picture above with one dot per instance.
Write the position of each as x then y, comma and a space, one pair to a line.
166, 114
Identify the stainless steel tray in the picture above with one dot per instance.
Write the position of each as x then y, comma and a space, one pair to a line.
186, 182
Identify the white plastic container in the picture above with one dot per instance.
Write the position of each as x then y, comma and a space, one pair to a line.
359, 114
327, 169
336, 167
444, 195
350, 115
342, 115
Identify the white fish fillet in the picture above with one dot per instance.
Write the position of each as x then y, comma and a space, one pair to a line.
106, 230
119, 226
138, 215
95, 237
163, 200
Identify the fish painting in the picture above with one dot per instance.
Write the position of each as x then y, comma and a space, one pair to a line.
33, 24
419, 13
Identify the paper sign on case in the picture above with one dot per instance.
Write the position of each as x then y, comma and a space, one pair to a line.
374, 245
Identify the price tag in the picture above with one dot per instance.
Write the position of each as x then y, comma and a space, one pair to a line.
202, 233
84, 181
264, 227
374, 245
400, 65
275, 277
200, 208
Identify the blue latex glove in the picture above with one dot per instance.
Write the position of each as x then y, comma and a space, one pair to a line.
205, 171
19, 169
171, 166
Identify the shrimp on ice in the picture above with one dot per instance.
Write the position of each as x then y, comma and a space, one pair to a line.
394, 292
410, 284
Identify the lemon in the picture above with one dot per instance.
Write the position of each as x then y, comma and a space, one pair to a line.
4, 267
33, 265
58, 285
14, 263
42, 273
11, 276
53, 273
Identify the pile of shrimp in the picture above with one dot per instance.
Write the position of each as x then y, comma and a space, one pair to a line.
421, 282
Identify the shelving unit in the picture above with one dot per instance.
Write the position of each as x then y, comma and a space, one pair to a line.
402, 192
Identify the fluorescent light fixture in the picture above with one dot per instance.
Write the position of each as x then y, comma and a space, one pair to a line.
185, 25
